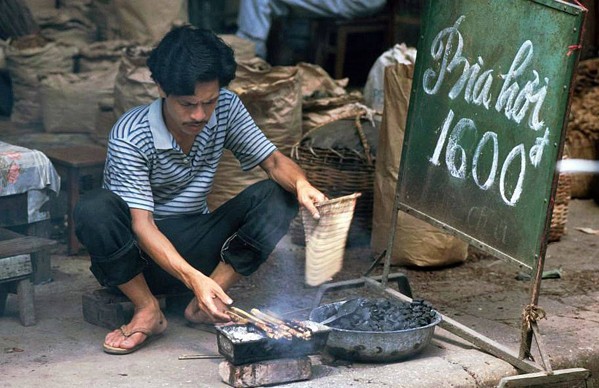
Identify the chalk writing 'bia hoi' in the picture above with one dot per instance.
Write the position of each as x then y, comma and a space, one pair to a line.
475, 84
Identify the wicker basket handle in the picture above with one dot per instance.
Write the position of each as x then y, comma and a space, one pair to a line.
361, 112
363, 140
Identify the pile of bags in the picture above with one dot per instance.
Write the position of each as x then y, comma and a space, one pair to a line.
60, 76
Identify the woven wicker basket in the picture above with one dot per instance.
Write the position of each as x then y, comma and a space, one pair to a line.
581, 145
560, 208
582, 135
339, 172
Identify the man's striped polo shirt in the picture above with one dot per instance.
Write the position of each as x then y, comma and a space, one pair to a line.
147, 168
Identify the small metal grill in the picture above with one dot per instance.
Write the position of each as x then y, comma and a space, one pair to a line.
243, 344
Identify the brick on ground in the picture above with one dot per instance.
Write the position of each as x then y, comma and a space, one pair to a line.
268, 372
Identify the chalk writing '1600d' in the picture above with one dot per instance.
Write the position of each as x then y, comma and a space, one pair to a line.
456, 158
516, 100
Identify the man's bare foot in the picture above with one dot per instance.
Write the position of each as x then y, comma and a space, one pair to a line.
146, 322
194, 314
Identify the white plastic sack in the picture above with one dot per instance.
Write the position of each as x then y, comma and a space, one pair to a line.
374, 90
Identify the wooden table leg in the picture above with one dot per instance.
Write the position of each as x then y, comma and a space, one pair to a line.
41, 260
3, 298
25, 296
72, 199
72, 163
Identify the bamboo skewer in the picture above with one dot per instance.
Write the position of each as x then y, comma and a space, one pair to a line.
279, 324
237, 318
262, 325
273, 326
199, 356
294, 323
300, 326
294, 331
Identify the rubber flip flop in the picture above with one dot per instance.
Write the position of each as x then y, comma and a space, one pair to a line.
149, 338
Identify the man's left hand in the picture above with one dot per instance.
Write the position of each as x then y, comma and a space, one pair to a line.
308, 196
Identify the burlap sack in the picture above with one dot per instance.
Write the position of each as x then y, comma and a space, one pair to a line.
134, 85
2, 57
146, 22
104, 120
313, 120
324, 99
272, 97
70, 26
102, 15
142, 21
244, 49
101, 56
417, 243
69, 101
582, 134
25, 66
317, 83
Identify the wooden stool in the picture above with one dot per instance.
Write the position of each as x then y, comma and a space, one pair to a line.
72, 163
330, 36
16, 271
15, 217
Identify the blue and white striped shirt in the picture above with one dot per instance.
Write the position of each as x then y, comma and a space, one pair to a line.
146, 167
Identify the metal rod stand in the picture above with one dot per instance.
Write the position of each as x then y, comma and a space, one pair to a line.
402, 284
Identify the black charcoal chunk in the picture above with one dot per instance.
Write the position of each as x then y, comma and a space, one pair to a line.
381, 314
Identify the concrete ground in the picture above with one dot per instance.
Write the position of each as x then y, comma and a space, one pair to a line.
62, 349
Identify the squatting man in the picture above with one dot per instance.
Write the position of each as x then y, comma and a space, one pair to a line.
149, 230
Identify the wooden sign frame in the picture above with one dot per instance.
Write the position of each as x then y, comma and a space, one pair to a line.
487, 118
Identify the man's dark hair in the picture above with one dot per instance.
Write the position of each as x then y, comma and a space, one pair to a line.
188, 55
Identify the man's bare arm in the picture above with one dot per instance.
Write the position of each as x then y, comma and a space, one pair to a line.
161, 250
292, 178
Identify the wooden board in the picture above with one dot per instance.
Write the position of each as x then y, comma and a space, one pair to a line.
12, 243
15, 266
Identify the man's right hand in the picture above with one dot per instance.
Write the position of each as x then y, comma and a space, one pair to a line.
210, 299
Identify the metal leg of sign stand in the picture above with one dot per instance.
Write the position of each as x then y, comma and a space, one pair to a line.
530, 330
402, 284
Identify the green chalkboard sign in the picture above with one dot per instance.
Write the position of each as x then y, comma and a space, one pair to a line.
486, 120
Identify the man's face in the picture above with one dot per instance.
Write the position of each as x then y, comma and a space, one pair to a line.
187, 115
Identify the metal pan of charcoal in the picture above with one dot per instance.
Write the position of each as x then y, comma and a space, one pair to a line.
377, 329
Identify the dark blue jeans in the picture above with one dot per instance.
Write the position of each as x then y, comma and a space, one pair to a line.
251, 224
